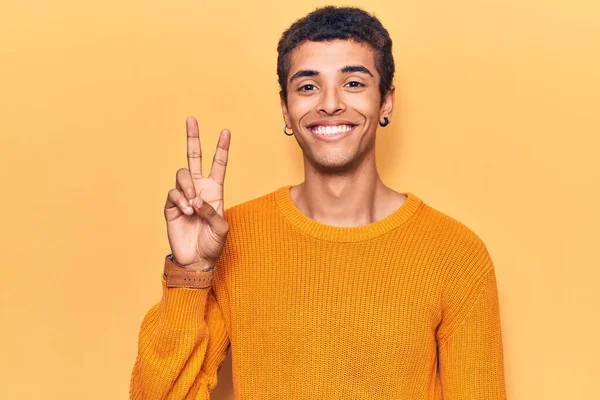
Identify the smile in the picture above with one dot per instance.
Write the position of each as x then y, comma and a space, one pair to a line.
329, 133
330, 130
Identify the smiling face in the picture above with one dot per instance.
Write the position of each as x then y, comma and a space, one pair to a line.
334, 103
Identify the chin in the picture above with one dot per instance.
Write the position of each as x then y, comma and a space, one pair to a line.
333, 164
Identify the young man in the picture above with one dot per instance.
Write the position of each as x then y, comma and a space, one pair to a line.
337, 288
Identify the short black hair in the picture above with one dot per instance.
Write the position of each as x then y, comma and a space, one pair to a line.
331, 23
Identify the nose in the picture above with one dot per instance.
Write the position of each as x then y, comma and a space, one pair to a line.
331, 102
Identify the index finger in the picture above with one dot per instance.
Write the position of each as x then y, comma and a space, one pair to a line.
194, 151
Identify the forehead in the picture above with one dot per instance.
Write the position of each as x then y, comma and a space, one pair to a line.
331, 56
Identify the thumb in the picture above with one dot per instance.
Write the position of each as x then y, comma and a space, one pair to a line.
210, 215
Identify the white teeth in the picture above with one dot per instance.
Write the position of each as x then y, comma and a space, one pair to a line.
330, 130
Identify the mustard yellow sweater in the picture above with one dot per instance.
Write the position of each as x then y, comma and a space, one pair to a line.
403, 308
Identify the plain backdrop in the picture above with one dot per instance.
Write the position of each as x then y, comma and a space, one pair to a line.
496, 124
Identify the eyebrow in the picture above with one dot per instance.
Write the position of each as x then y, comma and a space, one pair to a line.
304, 72
356, 68
348, 68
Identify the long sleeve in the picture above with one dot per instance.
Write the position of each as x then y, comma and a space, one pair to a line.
182, 343
470, 354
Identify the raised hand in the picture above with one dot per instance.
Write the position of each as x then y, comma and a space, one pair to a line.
194, 209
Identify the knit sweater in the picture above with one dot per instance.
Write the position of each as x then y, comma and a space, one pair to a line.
402, 308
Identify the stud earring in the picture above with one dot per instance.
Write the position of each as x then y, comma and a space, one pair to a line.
385, 122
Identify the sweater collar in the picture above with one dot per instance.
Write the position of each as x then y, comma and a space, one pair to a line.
344, 234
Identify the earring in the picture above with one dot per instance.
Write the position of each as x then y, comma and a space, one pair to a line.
385, 123
285, 131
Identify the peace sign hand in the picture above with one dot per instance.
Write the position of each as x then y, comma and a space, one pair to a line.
197, 234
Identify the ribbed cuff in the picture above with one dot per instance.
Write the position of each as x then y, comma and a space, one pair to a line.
182, 308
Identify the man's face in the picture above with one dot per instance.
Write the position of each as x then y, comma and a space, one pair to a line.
334, 102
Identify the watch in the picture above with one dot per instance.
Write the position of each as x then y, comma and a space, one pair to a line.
188, 277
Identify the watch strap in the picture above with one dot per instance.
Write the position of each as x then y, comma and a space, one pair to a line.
188, 277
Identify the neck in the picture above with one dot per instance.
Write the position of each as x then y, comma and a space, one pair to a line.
355, 198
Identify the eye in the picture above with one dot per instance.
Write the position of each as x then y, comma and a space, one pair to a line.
307, 88
354, 84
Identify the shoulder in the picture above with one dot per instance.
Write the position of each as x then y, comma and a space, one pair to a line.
249, 223
449, 233
460, 251
464, 264
450, 229
257, 209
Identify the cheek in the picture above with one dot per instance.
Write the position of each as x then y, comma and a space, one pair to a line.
298, 107
365, 105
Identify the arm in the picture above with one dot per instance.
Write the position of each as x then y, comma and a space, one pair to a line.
183, 339
470, 349
182, 343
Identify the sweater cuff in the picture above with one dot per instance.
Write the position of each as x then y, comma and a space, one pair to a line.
182, 308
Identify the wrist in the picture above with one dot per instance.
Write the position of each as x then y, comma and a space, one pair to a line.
198, 265
178, 276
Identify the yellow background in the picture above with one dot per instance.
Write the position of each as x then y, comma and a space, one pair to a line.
497, 124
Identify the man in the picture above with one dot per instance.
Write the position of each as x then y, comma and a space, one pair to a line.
337, 288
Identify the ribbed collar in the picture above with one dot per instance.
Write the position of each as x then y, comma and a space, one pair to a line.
344, 234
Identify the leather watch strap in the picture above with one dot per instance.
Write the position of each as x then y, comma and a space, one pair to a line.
178, 276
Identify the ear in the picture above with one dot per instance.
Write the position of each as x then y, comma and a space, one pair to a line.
284, 110
387, 107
